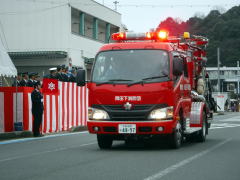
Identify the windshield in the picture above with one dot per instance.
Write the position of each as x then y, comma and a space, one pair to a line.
129, 66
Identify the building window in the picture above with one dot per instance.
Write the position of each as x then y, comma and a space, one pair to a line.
91, 27
221, 72
88, 31
230, 87
101, 30
75, 21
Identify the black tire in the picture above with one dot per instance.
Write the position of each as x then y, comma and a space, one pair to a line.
176, 137
201, 135
104, 141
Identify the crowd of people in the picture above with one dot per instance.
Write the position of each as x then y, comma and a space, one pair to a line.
26, 79
61, 73
232, 105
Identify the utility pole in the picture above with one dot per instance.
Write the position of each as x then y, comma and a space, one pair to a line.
238, 76
218, 63
115, 3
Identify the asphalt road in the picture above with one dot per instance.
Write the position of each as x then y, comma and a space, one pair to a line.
77, 156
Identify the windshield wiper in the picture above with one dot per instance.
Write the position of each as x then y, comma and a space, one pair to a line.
142, 81
155, 77
136, 82
119, 80
105, 82
111, 81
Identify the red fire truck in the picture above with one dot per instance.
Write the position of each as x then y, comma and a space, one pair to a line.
149, 85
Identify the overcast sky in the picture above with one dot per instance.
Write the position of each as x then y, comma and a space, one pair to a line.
142, 15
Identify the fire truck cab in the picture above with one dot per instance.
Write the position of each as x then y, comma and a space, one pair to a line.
149, 85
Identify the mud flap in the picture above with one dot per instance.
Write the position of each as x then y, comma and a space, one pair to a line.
196, 114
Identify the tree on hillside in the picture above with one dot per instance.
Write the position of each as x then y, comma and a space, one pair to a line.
175, 26
222, 30
220, 9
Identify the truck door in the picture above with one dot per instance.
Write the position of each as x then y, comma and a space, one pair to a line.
186, 91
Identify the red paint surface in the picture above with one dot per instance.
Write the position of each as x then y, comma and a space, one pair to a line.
173, 93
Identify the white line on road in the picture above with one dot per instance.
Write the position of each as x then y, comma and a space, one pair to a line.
221, 127
174, 167
45, 152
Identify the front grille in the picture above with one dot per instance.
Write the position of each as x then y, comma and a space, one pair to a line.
137, 113
145, 129
109, 129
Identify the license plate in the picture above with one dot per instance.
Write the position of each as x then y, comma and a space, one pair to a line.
127, 128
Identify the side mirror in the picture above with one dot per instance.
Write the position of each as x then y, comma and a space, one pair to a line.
81, 77
177, 66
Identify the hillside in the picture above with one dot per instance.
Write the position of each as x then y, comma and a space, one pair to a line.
222, 30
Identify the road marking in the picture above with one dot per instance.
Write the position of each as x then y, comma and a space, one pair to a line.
230, 120
223, 125
174, 167
237, 119
45, 152
37, 138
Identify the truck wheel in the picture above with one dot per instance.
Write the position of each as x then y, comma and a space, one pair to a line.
201, 135
104, 141
176, 137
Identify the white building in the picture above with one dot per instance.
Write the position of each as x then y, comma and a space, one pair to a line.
229, 78
40, 34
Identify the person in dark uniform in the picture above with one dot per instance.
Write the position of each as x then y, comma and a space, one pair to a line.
64, 74
73, 74
37, 78
59, 73
17, 80
52, 75
31, 80
24, 80
37, 109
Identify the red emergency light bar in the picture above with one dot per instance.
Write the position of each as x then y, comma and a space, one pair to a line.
124, 36
162, 35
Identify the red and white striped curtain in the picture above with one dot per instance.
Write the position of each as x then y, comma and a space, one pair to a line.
62, 111
2, 129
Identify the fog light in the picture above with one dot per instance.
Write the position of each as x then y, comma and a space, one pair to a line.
96, 129
159, 129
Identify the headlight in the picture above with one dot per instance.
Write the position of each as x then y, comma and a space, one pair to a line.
163, 113
97, 114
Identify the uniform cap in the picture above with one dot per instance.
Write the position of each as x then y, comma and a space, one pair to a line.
31, 74
53, 69
24, 73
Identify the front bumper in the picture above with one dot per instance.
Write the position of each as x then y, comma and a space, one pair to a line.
142, 127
